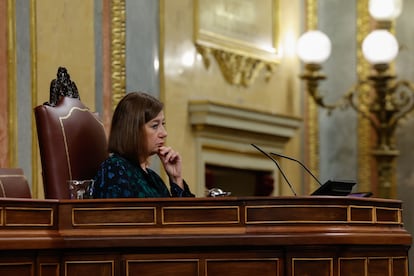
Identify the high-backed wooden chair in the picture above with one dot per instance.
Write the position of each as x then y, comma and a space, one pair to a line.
13, 183
72, 140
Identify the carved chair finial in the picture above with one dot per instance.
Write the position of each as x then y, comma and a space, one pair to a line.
62, 86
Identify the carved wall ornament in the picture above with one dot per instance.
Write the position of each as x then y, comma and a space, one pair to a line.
118, 50
241, 36
237, 69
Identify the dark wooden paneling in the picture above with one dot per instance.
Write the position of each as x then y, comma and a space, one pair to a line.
385, 215
379, 267
312, 267
49, 269
48, 263
399, 266
201, 215
24, 216
352, 266
162, 267
204, 236
17, 268
292, 214
113, 216
243, 267
361, 214
89, 268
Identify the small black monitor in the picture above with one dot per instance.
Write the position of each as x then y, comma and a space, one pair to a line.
335, 188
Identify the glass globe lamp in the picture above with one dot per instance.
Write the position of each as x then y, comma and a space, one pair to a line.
380, 47
314, 47
385, 10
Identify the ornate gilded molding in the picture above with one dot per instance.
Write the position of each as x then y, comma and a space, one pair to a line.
236, 69
118, 71
243, 41
11, 83
312, 110
364, 128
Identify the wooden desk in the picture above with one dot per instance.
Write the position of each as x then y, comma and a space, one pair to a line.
312, 236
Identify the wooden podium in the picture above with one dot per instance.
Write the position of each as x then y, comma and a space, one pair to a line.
313, 236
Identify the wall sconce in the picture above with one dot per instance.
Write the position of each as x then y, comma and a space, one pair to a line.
380, 98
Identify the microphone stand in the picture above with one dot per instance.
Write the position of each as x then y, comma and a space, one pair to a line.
300, 163
277, 165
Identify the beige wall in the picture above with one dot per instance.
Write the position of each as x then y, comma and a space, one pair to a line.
65, 37
182, 84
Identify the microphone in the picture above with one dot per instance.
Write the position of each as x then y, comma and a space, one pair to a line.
277, 165
300, 163
330, 187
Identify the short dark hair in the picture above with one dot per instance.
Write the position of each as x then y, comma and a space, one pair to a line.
127, 136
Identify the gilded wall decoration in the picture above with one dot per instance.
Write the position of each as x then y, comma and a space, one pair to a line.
11, 83
241, 35
312, 109
118, 71
364, 128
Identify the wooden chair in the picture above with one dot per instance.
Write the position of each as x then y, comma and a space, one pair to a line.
13, 183
72, 139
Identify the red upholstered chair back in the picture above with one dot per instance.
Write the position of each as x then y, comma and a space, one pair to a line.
13, 183
72, 143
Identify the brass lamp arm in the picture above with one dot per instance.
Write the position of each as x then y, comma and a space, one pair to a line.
318, 99
312, 77
361, 108
378, 98
403, 92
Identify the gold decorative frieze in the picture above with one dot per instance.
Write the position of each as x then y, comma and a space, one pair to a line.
363, 70
312, 135
118, 52
237, 69
11, 83
242, 38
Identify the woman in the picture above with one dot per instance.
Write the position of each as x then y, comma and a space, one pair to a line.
138, 132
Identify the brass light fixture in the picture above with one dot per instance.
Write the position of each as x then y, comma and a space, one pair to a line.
380, 98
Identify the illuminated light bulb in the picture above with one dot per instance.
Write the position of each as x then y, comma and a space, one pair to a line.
380, 46
385, 10
314, 47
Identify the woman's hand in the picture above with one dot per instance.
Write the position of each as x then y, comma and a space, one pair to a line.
171, 161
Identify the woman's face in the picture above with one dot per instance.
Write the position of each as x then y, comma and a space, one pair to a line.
156, 133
